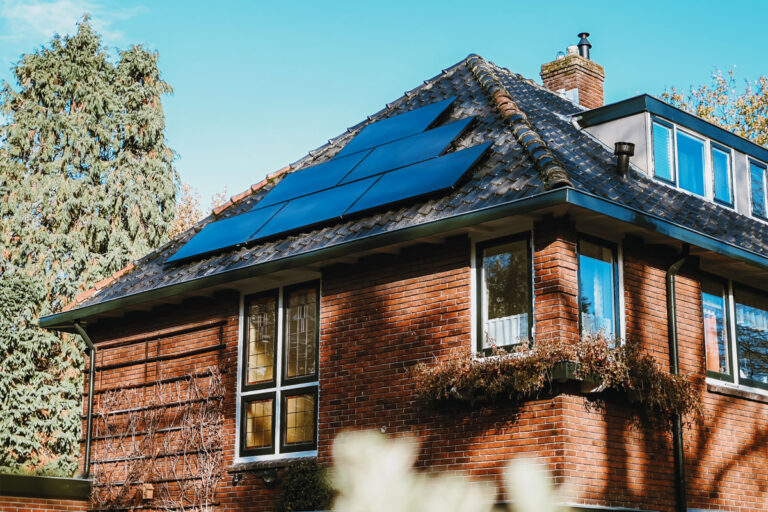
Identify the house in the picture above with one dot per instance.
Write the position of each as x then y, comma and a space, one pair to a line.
478, 209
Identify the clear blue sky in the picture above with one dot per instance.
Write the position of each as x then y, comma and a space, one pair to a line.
258, 84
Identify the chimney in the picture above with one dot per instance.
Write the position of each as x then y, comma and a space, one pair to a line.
575, 76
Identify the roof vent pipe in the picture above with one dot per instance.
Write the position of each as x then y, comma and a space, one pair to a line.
584, 45
623, 151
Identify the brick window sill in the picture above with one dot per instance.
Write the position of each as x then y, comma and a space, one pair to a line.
752, 394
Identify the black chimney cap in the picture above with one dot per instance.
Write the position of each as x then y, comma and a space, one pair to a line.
584, 45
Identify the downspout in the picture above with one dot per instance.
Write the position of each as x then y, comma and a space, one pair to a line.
677, 426
91, 373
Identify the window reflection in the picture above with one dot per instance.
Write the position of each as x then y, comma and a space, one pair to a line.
690, 163
752, 335
597, 289
715, 335
506, 289
721, 169
758, 189
662, 151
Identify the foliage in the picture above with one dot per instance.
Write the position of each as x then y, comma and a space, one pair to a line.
86, 185
375, 474
39, 387
526, 372
744, 114
305, 487
188, 210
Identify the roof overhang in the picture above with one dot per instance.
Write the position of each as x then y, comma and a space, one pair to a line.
564, 196
647, 103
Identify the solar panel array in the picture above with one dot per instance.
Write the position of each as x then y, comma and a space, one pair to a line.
389, 161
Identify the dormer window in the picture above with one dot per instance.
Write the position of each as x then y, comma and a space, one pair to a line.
692, 163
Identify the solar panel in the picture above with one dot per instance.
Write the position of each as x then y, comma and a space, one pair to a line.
408, 151
312, 179
314, 208
393, 128
418, 179
225, 233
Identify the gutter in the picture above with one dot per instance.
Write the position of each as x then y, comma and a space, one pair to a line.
91, 374
677, 426
63, 321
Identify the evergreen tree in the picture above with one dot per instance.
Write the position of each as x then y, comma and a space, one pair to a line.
86, 185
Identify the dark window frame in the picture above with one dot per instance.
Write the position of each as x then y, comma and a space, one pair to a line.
284, 395
731, 184
286, 381
729, 323
616, 284
745, 380
244, 401
275, 293
479, 248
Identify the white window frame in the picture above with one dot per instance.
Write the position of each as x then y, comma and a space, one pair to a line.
709, 173
278, 389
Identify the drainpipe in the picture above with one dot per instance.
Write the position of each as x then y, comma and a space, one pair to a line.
677, 427
89, 424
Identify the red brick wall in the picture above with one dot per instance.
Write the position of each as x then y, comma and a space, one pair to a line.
385, 313
576, 72
14, 504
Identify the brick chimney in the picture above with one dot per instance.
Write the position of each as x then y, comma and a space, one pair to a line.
575, 76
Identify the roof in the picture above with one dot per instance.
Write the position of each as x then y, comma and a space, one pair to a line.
538, 154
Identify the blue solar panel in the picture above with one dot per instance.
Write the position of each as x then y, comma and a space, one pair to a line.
226, 232
393, 128
312, 179
314, 208
408, 151
419, 179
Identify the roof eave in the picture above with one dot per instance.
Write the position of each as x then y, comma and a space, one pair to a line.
63, 321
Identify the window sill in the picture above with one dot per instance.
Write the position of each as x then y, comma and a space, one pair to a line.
722, 388
280, 462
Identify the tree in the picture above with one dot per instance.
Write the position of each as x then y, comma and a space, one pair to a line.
744, 114
87, 183
188, 210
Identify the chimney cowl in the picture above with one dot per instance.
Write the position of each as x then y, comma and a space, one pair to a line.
623, 151
584, 45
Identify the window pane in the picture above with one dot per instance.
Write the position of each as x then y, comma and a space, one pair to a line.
299, 421
301, 332
262, 320
721, 168
597, 288
662, 152
715, 335
752, 335
506, 294
258, 424
758, 189
690, 163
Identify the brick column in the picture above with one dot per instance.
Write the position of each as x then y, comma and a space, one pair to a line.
576, 72
556, 281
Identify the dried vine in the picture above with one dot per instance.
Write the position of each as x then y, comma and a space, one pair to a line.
159, 447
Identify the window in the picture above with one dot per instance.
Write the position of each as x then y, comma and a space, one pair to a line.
716, 337
598, 285
680, 158
278, 387
757, 186
735, 332
504, 291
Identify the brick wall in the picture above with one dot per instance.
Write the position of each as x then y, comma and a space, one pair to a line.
19, 504
576, 72
385, 313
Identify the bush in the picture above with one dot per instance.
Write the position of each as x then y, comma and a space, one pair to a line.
305, 487
526, 372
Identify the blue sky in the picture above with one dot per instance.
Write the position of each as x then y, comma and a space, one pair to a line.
258, 84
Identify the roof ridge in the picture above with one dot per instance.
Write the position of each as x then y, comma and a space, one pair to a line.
552, 172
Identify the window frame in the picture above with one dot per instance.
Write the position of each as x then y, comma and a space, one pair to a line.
244, 386
764, 167
297, 447
729, 323
713, 181
708, 171
480, 281
736, 356
278, 387
617, 288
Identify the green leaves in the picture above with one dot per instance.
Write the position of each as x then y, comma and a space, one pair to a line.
87, 184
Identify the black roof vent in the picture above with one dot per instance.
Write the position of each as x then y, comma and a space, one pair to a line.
584, 45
